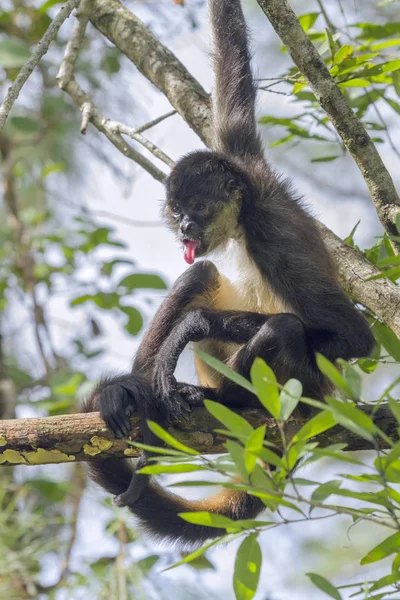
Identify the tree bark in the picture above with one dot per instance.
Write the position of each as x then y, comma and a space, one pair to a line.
156, 63
84, 437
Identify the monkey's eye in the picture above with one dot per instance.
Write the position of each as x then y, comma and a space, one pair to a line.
200, 207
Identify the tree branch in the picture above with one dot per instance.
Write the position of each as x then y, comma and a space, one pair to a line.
67, 82
40, 50
381, 296
343, 118
84, 437
156, 63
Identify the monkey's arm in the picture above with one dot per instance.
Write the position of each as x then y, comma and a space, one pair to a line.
223, 325
189, 290
234, 88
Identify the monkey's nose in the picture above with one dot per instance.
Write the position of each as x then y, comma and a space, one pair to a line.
188, 227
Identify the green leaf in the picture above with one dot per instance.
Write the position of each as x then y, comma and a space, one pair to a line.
376, 32
146, 564
231, 420
143, 281
308, 20
237, 454
356, 82
322, 452
13, 53
344, 52
200, 563
264, 381
387, 338
324, 585
352, 418
193, 555
169, 439
389, 261
208, 519
350, 238
56, 167
70, 386
321, 422
247, 568
395, 408
49, 4
325, 158
353, 379
398, 222
253, 447
221, 367
289, 397
333, 374
180, 468
108, 267
156, 449
390, 579
135, 319
392, 274
390, 545
81, 299
325, 490
25, 124
396, 564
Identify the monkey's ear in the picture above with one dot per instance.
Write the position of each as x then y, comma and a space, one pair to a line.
230, 186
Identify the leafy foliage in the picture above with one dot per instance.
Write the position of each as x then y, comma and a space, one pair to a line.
270, 472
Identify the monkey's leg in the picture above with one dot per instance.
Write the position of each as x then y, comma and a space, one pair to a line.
284, 345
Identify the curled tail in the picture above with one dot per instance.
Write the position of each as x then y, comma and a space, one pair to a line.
157, 509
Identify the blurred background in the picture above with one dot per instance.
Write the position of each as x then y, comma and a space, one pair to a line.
86, 261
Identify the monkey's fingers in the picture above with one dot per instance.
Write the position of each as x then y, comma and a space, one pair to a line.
115, 409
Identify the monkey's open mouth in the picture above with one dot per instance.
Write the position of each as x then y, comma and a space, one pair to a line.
190, 248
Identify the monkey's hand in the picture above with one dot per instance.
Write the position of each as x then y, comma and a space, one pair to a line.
117, 404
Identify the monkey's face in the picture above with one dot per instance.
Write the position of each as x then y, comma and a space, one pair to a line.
203, 203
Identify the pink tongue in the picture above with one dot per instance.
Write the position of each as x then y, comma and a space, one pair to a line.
190, 251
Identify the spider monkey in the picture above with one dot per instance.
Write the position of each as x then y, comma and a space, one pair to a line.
284, 305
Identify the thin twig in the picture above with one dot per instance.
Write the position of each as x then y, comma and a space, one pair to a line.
154, 122
120, 128
67, 82
40, 50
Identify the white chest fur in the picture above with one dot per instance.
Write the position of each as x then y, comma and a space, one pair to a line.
242, 285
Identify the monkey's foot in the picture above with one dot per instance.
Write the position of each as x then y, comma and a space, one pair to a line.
192, 394
167, 394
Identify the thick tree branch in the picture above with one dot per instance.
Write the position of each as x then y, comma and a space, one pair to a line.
37, 54
84, 437
155, 62
345, 121
381, 296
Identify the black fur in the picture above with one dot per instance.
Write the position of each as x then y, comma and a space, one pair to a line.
212, 197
